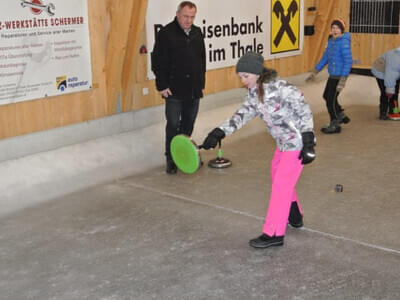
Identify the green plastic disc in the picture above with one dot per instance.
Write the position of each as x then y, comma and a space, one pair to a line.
185, 154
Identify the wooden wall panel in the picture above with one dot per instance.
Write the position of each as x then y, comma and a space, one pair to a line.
367, 47
120, 72
8, 115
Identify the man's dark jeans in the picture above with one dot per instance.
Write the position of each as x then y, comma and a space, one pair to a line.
180, 115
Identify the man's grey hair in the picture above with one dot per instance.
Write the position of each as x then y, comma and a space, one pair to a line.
186, 3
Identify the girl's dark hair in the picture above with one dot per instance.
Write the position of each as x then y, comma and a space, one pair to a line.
266, 76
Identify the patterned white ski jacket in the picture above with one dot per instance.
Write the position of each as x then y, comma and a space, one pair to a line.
284, 111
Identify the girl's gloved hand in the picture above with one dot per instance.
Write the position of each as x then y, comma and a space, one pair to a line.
213, 138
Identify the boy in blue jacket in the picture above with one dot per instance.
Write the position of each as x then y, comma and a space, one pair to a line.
338, 57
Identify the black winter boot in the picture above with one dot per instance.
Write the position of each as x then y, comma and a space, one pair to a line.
265, 241
295, 217
333, 127
383, 111
390, 106
383, 116
342, 118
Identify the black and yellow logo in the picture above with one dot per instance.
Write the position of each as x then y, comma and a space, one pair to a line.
285, 25
61, 83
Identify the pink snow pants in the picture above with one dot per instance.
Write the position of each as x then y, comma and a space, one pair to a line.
285, 172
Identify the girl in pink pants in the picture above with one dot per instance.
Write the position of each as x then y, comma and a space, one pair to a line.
289, 120
285, 171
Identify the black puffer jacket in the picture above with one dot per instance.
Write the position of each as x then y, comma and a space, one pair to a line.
179, 61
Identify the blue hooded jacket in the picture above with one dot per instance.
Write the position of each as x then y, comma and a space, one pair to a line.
338, 56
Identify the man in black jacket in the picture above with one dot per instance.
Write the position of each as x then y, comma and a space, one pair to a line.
179, 63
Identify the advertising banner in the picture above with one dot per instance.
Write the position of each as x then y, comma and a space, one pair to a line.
44, 49
231, 28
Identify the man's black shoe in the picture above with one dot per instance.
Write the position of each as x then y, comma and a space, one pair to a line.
171, 167
265, 241
295, 217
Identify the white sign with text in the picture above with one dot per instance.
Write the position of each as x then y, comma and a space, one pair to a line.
231, 28
44, 49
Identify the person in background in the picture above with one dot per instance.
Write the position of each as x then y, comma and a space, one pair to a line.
386, 69
338, 57
179, 64
289, 120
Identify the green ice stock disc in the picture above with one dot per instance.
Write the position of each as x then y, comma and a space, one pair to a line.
185, 154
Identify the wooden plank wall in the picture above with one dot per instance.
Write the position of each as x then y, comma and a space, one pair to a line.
119, 71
